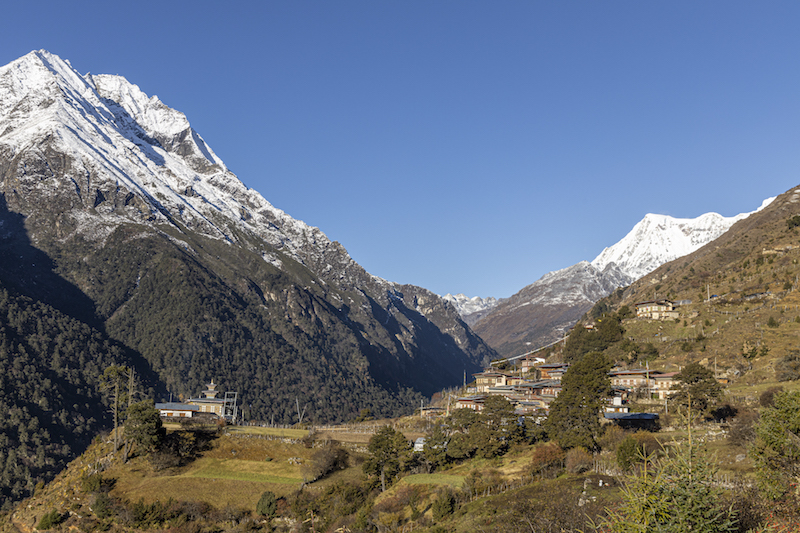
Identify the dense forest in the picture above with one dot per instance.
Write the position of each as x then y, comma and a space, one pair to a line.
51, 402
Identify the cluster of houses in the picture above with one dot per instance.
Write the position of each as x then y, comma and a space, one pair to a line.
537, 384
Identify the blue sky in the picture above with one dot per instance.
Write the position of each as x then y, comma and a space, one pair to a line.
463, 146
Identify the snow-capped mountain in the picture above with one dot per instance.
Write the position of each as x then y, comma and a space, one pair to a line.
658, 239
135, 159
471, 307
543, 311
526, 320
134, 209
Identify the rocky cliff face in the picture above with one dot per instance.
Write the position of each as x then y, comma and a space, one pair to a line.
180, 261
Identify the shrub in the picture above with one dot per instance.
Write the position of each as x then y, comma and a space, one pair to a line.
788, 368
331, 456
96, 483
612, 437
267, 505
768, 396
578, 460
628, 453
102, 505
548, 460
443, 506
50, 520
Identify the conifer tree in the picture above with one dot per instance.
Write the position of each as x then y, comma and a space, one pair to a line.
390, 452
776, 449
573, 419
676, 495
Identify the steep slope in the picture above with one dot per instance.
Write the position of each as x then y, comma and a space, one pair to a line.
748, 330
176, 258
540, 313
743, 259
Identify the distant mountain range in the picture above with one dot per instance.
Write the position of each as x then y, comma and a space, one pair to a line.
542, 312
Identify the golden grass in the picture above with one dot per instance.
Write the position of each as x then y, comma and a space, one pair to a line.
287, 433
434, 479
235, 471
218, 492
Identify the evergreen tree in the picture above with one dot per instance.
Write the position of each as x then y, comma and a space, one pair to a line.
390, 453
435, 448
676, 496
143, 426
698, 384
497, 427
267, 505
776, 449
573, 419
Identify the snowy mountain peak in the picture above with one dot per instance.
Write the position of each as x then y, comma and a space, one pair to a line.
658, 239
466, 305
131, 157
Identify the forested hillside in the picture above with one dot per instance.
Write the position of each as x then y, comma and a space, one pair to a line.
50, 396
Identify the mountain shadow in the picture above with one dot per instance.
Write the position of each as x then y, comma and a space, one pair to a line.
28, 271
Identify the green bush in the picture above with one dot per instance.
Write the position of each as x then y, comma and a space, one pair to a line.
628, 453
443, 506
267, 505
50, 520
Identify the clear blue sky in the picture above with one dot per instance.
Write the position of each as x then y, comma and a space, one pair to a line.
459, 145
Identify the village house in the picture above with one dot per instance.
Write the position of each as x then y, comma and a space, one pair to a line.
656, 384
529, 363
552, 370
631, 379
488, 379
663, 383
474, 402
176, 410
656, 310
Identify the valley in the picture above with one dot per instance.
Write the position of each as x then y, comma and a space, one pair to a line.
128, 247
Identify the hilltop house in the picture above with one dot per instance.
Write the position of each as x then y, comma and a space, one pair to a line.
489, 379
663, 383
529, 363
657, 384
207, 405
656, 309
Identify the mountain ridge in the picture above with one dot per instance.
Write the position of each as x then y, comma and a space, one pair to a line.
121, 192
551, 305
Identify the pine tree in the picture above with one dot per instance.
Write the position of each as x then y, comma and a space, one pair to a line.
573, 419
676, 495
776, 449
390, 452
